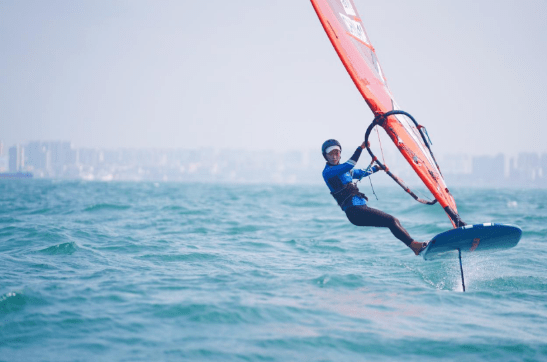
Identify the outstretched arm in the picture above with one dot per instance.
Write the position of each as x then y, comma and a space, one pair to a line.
359, 174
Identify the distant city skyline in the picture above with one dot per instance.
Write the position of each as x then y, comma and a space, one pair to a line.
61, 160
435, 148
259, 75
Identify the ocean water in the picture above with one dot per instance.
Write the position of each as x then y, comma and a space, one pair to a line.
93, 271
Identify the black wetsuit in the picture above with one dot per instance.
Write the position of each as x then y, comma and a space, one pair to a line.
362, 215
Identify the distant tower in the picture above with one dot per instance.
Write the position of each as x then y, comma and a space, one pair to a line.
15, 158
21, 158
1, 148
36, 155
61, 155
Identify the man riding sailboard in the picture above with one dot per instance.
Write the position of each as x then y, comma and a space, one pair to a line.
338, 177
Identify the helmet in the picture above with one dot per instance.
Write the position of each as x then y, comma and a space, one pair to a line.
327, 144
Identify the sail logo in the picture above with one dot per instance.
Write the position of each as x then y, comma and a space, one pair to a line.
355, 29
348, 8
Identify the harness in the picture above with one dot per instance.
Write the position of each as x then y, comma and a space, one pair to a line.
346, 193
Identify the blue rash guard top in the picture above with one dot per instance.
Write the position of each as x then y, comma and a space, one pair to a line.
339, 180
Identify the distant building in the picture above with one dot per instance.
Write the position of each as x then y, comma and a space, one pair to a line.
4, 162
112, 157
37, 156
526, 169
456, 165
89, 157
489, 170
61, 156
16, 158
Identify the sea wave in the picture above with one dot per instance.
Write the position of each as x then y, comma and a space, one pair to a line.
60, 249
106, 207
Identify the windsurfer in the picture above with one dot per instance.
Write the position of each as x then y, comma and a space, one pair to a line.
339, 180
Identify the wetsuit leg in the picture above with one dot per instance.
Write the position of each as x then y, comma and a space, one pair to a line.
363, 215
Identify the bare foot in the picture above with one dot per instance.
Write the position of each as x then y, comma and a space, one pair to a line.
417, 247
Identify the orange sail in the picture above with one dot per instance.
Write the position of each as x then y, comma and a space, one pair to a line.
347, 34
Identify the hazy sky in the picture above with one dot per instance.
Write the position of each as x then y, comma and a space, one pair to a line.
257, 74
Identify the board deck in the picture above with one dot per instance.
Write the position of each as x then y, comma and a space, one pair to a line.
472, 238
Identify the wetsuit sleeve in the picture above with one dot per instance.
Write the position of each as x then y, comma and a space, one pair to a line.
338, 169
359, 174
356, 155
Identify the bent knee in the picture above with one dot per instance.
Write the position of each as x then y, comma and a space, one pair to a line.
394, 221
